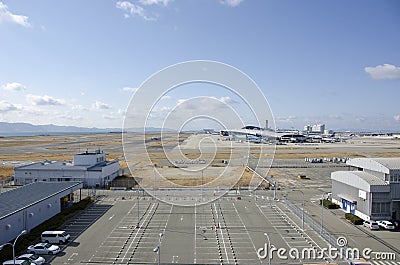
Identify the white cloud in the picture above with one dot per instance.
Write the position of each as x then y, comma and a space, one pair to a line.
79, 107
231, 3
133, 10
7, 106
43, 100
129, 89
165, 97
14, 86
110, 117
228, 100
396, 117
385, 71
180, 101
100, 105
7, 16
70, 117
121, 112
154, 2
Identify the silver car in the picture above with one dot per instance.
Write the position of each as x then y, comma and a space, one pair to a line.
33, 258
44, 248
386, 224
371, 225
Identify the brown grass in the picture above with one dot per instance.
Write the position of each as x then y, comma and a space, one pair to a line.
386, 154
6, 172
301, 155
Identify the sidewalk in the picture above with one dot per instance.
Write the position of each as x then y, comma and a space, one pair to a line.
337, 225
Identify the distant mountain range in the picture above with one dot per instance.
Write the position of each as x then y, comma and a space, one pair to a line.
22, 128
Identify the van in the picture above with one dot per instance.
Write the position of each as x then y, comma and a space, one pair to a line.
55, 237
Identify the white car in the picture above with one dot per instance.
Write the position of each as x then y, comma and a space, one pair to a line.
44, 248
386, 224
33, 258
17, 262
371, 224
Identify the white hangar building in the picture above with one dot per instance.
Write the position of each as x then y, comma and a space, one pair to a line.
28, 206
90, 168
371, 190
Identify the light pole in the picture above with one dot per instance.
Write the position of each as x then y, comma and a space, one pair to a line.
302, 213
138, 207
287, 186
23, 232
158, 248
219, 209
201, 197
269, 248
154, 178
322, 211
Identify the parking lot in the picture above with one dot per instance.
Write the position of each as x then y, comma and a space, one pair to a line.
226, 231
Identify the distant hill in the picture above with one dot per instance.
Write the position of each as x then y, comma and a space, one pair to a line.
22, 128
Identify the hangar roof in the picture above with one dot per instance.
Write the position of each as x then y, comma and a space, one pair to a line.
20, 198
60, 166
383, 165
360, 179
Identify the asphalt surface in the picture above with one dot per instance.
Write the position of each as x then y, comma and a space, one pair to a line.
107, 233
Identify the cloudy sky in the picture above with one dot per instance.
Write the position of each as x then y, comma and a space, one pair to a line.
80, 62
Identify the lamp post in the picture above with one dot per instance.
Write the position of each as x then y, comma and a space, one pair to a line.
302, 204
322, 211
158, 248
219, 209
269, 248
201, 197
138, 208
154, 178
23, 232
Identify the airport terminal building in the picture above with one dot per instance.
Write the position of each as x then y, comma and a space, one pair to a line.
90, 168
370, 190
26, 207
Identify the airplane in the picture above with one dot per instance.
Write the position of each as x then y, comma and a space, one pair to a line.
293, 136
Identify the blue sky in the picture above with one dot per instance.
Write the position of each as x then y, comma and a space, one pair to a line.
79, 62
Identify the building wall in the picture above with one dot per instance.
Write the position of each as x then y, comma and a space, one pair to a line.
89, 178
30, 217
363, 206
103, 176
26, 176
89, 159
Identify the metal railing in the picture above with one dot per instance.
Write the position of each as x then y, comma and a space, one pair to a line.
316, 226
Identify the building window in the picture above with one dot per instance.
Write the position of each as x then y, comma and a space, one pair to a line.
395, 178
381, 208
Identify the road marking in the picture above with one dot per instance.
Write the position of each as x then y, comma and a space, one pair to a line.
222, 236
71, 257
195, 231
111, 217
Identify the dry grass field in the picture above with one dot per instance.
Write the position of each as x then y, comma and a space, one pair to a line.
16, 150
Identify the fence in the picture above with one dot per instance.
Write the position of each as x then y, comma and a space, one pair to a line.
330, 239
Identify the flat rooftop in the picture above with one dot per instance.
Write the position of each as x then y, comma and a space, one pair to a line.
20, 198
60, 165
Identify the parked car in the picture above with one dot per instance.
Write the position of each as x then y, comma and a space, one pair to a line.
55, 237
33, 258
386, 224
396, 224
17, 262
44, 248
371, 224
